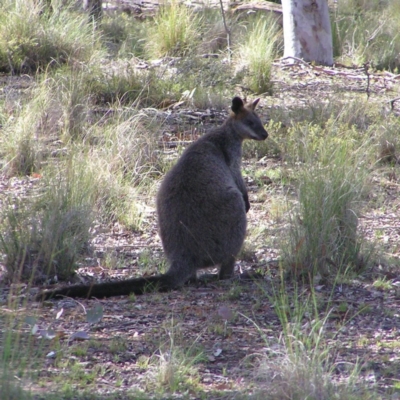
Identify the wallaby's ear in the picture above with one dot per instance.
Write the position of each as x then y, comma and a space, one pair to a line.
237, 104
254, 103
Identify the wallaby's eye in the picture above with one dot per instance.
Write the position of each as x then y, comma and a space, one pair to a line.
251, 123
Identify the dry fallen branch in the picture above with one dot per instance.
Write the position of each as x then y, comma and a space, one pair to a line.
265, 6
336, 72
349, 72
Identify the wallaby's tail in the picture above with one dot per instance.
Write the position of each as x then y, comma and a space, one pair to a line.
108, 289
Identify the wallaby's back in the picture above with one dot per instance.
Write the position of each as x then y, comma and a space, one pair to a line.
202, 202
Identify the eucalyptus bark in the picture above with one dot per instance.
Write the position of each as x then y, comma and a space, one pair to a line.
307, 30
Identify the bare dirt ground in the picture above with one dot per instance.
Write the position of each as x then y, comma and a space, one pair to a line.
364, 331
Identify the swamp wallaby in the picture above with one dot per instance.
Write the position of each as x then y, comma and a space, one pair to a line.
201, 206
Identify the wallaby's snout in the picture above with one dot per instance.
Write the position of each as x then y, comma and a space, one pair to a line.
246, 121
262, 133
258, 133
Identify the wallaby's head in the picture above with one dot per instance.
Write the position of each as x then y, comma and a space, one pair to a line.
246, 121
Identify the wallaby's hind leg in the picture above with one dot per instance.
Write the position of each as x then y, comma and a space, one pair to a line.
226, 269
179, 273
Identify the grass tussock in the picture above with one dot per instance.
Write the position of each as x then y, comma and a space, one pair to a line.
56, 110
307, 142
175, 32
123, 35
33, 38
43, 238
10, 388
350, 118
367, 33
302, 365
19, 145
257, 53
323, 235
118, 84
126, 86
127, 162
131, 146
69, 103
305, 374
174, 368
22, 154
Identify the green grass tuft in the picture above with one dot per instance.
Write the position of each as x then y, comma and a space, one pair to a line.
43, 238
32, 38
367, 33
258, 52
323, 236
175, 32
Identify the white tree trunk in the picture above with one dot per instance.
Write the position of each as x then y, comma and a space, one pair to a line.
307, 30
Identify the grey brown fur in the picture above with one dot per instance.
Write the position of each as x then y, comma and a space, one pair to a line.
202, 202
201, 205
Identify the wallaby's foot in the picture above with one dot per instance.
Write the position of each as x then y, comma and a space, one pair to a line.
227, 269
205, 278
202, 279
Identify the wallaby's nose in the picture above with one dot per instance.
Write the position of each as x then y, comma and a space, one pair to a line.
264, 134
